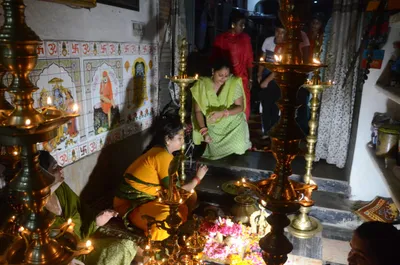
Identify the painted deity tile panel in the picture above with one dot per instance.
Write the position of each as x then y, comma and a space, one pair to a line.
103, 82
114, 84
59, 85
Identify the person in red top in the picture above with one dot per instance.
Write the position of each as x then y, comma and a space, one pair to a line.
235, 46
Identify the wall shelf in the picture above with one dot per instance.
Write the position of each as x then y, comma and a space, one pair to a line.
389, 178
391, 92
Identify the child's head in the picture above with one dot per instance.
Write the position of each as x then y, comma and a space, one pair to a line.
374, 243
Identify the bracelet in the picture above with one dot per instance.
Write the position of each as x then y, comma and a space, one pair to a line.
197, 179
203, 131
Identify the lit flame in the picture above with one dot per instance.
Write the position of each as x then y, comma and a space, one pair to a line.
196, 76
88, 244
27, 122
12, 218
243, 180
276, 58
48, 100
192, 191
180, 200
147, 247
75, 107
69, 221
316, 61
15, 153
261, 59
159, 200
21, 229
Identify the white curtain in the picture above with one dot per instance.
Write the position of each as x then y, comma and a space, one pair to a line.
337, 102
178, 33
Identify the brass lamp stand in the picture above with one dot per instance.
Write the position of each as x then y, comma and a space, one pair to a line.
183, 81
303, 225
25, 126
280, 195
182, 249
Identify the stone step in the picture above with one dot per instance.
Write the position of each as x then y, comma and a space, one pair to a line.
330, 208
233, 169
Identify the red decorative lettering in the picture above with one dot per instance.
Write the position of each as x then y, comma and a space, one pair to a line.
40, 50
103, 48
86, 48
63, 159
52, 48
112, 48
75, 48
92, 147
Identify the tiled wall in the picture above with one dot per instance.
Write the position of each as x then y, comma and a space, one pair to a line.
79, 72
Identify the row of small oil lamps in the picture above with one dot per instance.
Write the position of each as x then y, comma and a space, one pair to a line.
180, 200
176, 77
278, 58
329, 83
66, 227
75, 109
304, 197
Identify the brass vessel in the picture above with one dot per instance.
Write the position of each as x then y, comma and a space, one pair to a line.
243, 208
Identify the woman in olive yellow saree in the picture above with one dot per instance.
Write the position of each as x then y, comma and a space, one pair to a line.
137, 194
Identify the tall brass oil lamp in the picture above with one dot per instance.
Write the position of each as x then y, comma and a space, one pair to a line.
25, 126
183, 81
280, 195
302, 225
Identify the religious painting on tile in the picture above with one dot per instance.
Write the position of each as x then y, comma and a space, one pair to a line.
58, 83
114, 84
103, 78
139, 73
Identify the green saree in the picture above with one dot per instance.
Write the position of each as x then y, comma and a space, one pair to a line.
107, 250
230, 135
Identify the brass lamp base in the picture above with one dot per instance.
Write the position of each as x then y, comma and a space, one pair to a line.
304, 226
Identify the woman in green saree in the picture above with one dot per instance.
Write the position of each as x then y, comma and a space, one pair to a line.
218, 113
65, 204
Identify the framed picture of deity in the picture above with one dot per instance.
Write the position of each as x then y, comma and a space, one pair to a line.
76, 3
128, 4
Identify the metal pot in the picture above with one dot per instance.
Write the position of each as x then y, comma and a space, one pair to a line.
388, 137
243, 208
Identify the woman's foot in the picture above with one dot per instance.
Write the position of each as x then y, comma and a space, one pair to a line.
105, 216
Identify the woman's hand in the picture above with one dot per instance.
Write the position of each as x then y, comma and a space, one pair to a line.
207, 138
201, 171
216, 115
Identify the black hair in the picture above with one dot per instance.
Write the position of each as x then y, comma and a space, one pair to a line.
45, 159
220, 64
164, 127
382, 240
320, 17
236, 16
